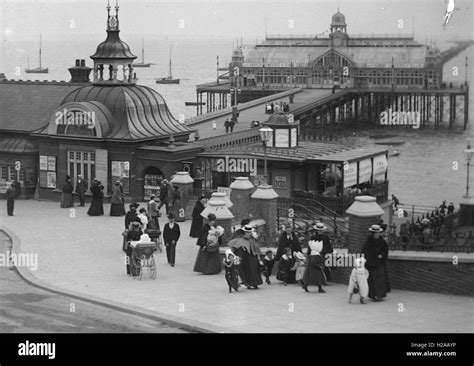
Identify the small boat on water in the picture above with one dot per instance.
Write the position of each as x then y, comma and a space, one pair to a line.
169, 79
395, 153
382, 136
194, 103
40, 69
390, 143
142, 64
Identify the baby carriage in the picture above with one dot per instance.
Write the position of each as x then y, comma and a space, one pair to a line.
142, 259
155, 236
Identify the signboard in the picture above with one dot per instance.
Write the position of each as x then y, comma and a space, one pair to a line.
350, 175
120, 169
43, 162
280, 182
101, 159
365, 170
380, 167
282, 137
237, 165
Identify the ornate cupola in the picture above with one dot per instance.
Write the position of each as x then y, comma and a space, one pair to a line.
113, 60
338, 35
285, 130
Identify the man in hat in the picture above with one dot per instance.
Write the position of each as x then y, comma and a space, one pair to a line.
164, 200
288, 239
81, 188
10, 195
375, 252
152, 208
171, 234
320, 234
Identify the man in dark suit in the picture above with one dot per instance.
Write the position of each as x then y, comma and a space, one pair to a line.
164, 199
81, 188
10, 195
288, 239
171, 234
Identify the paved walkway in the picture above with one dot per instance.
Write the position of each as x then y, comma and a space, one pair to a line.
83, 254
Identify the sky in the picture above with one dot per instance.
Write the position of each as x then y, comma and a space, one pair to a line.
25, 19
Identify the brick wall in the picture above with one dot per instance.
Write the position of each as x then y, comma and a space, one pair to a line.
423, 276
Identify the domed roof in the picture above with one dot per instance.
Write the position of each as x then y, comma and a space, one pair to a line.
113, 48
338, 19
138, 111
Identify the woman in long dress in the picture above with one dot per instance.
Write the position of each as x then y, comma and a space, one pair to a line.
248, 250
314, 272
197, 223
97, 207
66, 196
116, 202
375, 252
207, 261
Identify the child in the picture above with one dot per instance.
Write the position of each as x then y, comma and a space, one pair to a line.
143, 218
300, 266
268, 262
231, 273
358, 281
213, 236
286, 264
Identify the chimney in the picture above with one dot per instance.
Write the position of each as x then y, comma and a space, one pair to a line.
80, 72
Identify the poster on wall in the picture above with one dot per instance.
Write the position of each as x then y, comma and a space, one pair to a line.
101, 171
51, 179
52, 163
282, 138
121, 172
365, 170
294, 139
280, 182
350, 175
43, 162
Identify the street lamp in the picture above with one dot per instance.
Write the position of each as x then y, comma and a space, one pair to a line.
265, 134
468, 155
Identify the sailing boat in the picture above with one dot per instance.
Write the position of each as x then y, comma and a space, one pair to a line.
38, 70
169, 79
142, 64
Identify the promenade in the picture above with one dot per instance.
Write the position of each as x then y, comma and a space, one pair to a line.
82, 255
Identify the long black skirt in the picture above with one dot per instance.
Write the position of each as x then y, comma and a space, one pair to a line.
232, 277
97, 208
313, 274
117, 209
207, 262
249, 266
377, 282
196, 227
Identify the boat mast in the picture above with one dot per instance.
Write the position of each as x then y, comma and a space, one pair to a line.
40, 52
171, 75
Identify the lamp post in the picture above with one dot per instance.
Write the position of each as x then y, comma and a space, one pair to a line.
468, 155
265, 135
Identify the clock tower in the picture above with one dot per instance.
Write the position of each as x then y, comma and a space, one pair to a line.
338, 36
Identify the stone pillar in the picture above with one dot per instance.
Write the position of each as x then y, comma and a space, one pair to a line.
242, 190
223, 215
363, 213
264, 206
185, 183
221, 196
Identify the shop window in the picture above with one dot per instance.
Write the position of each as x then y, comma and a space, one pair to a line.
4, 172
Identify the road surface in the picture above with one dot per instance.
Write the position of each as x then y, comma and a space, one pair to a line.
27, 309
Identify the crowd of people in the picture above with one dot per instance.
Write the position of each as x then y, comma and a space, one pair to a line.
277, 107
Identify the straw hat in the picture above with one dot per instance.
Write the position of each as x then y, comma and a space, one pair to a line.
319, 226
375, 229
247, 228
